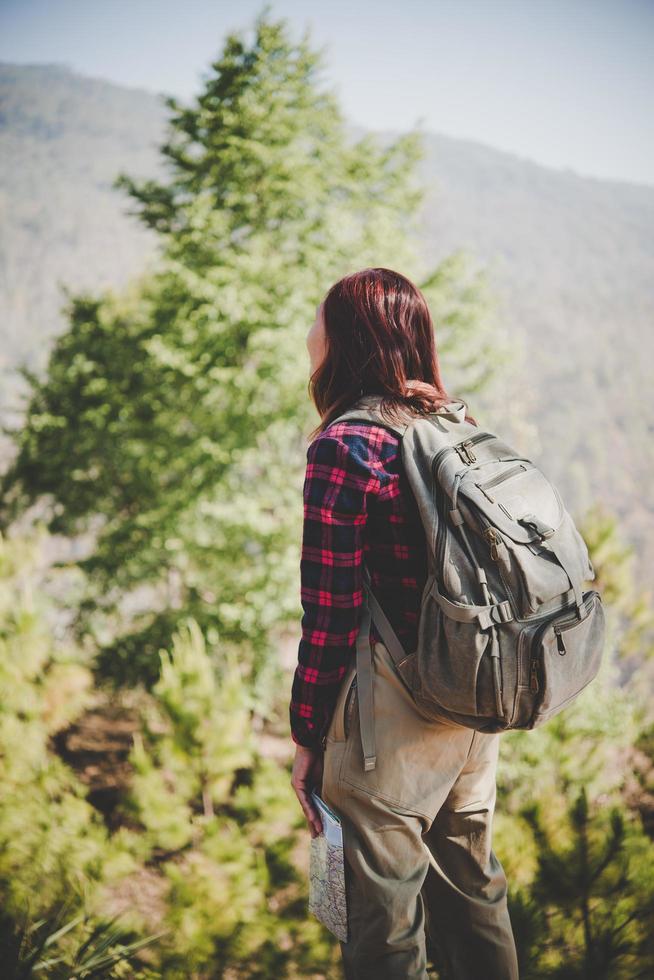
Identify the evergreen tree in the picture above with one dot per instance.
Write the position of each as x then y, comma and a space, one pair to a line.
170, 426
597, 894
221, 824
54, 848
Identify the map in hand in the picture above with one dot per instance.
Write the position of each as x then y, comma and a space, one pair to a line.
327, 872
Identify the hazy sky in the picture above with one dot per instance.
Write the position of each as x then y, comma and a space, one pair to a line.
568, 83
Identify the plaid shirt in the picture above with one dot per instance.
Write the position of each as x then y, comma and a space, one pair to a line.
357, 504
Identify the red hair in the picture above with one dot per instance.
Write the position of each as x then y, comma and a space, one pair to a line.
379, 339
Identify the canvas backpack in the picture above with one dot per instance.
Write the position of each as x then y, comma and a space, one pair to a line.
507, 636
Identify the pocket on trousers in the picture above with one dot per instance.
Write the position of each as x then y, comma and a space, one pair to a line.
348, 709
338, 729
417, 758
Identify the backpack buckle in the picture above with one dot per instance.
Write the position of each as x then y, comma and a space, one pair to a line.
501, 612
542, 529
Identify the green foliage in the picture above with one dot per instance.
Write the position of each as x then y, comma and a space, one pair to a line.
199, 735
50, 841
54, 848
220, 819
617, 579
207, 821
33, 949
594, 879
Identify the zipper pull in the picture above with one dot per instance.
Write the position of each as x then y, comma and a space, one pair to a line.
465, 452
468, 451
492, 537
560, 644
533, 679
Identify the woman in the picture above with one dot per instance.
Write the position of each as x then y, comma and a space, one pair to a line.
421, 876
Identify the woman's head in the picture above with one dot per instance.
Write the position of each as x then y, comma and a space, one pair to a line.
373, 333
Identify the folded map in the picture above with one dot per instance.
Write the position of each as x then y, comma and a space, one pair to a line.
327, 872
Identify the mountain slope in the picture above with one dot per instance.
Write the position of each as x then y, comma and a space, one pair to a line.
63, 138
573, 260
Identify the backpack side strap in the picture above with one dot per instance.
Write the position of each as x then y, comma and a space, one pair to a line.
365, 667
365, 689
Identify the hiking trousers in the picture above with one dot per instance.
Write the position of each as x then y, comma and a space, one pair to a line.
421, 877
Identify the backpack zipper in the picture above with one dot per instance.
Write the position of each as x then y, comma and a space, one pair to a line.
533, 663
501, 477
567, 624
457, 448
493, 540
531, 670
464, 450
558, 629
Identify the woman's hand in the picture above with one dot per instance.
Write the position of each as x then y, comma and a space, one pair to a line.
307, 775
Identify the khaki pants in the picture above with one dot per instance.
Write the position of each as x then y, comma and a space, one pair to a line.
421, 876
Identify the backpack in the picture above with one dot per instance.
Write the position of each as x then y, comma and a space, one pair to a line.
507, 637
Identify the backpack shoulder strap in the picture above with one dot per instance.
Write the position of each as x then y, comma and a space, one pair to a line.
366, 409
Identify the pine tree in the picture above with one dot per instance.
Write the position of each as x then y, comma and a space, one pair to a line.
590, 881
170, 426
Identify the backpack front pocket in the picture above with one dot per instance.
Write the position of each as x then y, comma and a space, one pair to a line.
565, 656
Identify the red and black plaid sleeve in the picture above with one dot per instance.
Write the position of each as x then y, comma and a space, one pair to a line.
356, 505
